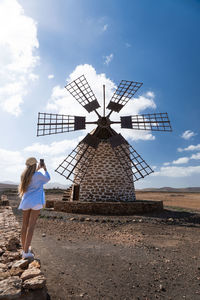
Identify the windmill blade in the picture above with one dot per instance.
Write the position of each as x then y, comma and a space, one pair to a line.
133, 164
82, 92
153, 122
75, 165
125, 91
53, 123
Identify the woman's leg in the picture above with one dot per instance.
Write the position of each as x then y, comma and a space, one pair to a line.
31, 225
26, 214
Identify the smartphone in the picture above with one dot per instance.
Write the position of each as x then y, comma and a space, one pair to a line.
41, 162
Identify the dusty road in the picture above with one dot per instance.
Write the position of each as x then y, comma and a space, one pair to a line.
132, 257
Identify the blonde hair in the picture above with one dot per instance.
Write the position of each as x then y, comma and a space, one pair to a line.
26, 179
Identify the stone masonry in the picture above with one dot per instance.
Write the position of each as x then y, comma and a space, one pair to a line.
19, 278
105, 179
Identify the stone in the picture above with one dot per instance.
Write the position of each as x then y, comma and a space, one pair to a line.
43, 235
1, 251
37, 282
16, 271
34, 264
3, 266
4, 275
22, 263
13, 244
30, 273
10, 288
10, 256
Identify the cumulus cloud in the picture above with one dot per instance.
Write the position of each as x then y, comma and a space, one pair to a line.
55, 147
190, 148
62, 102
18, 42
174, 171
50, 76
181, 160
108, 59
11, 162
188, 134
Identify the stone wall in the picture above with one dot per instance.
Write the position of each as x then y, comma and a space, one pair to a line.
19, 278
105, 178
109, 208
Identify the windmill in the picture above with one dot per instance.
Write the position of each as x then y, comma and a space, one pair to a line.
103, 166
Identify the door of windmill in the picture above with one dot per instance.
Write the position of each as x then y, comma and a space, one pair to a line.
76, 191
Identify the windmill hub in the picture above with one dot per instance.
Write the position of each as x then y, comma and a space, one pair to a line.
104, 122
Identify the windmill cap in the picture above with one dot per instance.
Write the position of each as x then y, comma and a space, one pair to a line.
31, 161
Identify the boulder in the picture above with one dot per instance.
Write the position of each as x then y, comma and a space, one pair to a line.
22, 263
37, 282
10, 288
30, 273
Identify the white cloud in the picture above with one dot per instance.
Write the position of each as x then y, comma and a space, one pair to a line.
108, 59
105, 27
18, 42
195, 156
62, 102
166, 164
188, 134
190, 148
181, 160
55, 147
174, 171
11, 162
50, 76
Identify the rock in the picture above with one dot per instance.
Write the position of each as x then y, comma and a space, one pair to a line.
82, 219
34, 264
72, 219
43, 235
10, 256
170, 219
30, 273
13, 244
87, 219
10, 288
37, 282
22, 263
1, 251
16, 271
3, 266
162, 288
4, 275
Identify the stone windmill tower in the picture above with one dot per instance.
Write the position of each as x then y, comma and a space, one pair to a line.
103, 166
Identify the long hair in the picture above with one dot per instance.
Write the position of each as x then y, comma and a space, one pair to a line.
26, 179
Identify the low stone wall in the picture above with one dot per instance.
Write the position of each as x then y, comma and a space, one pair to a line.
19, 278
108, 208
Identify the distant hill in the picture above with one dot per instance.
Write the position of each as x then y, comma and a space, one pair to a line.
55, 185
171, 190
12, 185
5, 186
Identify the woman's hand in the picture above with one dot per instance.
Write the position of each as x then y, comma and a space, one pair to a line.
42, 167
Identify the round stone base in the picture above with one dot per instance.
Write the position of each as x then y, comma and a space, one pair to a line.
109, 208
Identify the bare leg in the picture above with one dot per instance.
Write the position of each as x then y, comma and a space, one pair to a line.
26, 214
31, 225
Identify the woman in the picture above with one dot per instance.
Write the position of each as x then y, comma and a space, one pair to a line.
33, 198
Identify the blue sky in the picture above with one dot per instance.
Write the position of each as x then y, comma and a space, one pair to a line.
44, 44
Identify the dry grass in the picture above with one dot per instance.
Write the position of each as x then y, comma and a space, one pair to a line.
182, 200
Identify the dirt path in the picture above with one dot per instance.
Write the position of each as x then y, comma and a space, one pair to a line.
134, 257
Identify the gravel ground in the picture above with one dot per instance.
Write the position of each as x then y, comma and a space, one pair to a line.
119, 257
